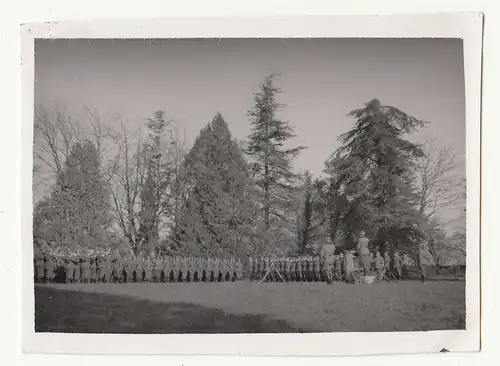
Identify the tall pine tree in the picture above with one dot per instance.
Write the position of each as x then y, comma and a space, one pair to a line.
374, 170
271, 160
219, 208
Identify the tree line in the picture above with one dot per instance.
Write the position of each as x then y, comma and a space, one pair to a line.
146, 189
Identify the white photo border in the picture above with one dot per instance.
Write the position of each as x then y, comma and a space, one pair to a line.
467, 26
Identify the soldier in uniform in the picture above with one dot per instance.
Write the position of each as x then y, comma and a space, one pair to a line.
293, 269
387, 265
310, 270
158, 269
327, 255
148, 269
139, 269
257, 268
85, 265
116, 275
70, 271
93, 270
300, 270
167, 269
39, 268
398, 264
77, 270
379, 265
239, 270
337, 266
363, 251
316, 269
343, 274
251, 268
210, 270
50, 267
423, 260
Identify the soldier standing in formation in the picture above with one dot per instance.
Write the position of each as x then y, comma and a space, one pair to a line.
327, 254
398, 264
364, 252
379, 265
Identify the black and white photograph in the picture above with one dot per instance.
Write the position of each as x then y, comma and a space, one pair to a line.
250, 185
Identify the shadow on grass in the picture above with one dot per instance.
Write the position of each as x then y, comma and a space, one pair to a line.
60, 311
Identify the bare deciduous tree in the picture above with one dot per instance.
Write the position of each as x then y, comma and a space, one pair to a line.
439, 180
56, 132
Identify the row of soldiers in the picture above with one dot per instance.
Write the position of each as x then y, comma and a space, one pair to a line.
297, 269
125, 270
316, 269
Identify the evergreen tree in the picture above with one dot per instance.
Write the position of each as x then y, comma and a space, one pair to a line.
155, 193
271, 161
218, 211
311, 217
77, 213
374, 172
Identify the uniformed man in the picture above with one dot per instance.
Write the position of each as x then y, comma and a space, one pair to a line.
423, 260
343, 271
371, 261
379, 265
139, 269
316, 269
387, 265
363, 251
157, 269
39, 268
70, 270
93, 270
117, 269
310, 269
86, 275
293, 270
251, 268
327, 255
303, 266
50, 267
398, 264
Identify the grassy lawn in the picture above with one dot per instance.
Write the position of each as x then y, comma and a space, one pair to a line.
245, 307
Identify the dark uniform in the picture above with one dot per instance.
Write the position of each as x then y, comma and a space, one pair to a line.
337, 267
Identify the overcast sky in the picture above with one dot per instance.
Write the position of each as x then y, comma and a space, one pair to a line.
322, 81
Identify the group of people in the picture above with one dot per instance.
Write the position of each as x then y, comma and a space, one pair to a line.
326, 266
292, 269
49, 269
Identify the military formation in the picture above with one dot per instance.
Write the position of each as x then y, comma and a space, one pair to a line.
159, 269
296, 269
327, 266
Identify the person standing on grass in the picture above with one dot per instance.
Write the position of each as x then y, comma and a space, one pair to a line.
317, 269
379, 265
328, 257
387, 265
364, 252
423, 260
398, 264
39, 268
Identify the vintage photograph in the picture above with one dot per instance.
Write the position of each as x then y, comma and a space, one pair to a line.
239, 185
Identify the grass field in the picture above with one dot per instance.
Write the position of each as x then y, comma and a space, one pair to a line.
245, 307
